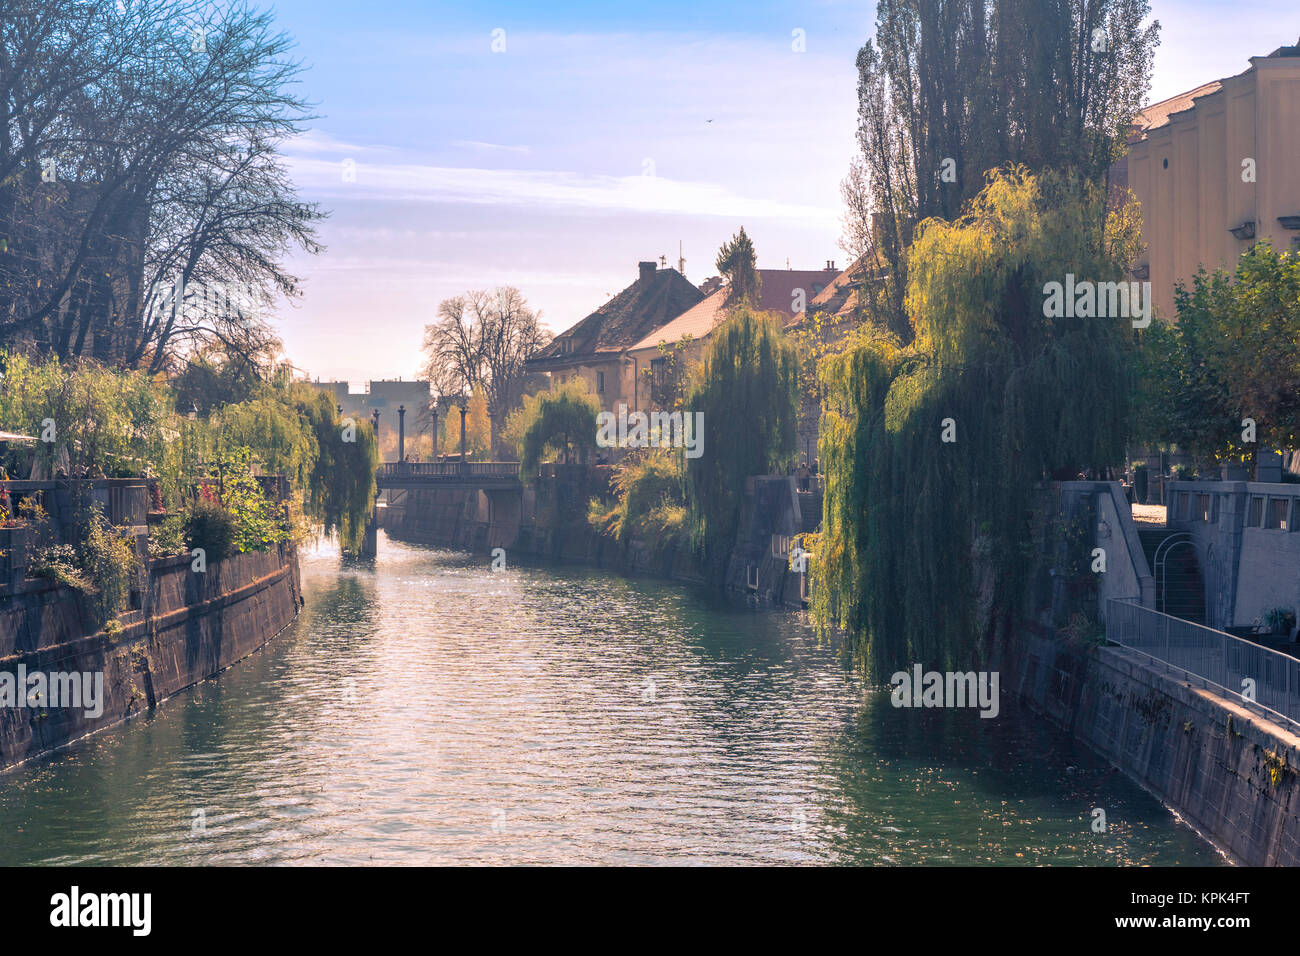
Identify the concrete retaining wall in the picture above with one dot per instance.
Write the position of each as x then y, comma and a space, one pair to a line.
1226, 771
548, 520
191, 627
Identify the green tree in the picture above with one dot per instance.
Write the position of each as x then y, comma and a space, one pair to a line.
931, 451
1234, 354
737, 261
949, 90
562, 421
745, 388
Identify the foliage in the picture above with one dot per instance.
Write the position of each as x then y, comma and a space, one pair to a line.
118, 420
478, 426
481, 342
108, 556
737, 261
168, 174
211, 527
126, 423
1234, 354
1025, 397
650, 499
666, 385
745, 388
167, 538
257, 522
59, 562
948, 91
562, 420
102, 566
295, 430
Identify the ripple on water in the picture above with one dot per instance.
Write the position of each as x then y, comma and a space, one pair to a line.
424, 709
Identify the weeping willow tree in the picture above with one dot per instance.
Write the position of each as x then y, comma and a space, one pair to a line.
745, 388
295, 430
339, 487
931, 451
563, 420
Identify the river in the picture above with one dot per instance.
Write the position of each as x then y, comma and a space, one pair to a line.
427, 710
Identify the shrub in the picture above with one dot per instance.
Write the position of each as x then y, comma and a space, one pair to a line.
109, 559
167, 537
212, 528
651, 499
59, 563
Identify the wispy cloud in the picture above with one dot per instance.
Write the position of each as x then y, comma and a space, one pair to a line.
585, 192
490, 147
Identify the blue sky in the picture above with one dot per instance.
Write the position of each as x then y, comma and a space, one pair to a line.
602, 134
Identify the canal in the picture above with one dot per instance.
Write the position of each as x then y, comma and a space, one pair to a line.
429, 710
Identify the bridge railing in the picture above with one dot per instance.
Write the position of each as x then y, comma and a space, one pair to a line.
1216, 660
449, 469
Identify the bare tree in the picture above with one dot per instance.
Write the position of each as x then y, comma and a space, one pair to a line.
170, 179
511, 335
482, 340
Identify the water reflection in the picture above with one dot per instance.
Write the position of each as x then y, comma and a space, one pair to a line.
424, 709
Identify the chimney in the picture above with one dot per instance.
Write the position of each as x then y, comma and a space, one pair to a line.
647, 270
830, 265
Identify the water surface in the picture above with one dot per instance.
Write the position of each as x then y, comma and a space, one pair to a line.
424, 709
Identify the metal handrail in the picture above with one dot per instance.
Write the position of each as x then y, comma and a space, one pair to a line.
1215, 658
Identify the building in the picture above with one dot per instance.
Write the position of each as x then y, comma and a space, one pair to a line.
1216, 169
594, 349
786, 292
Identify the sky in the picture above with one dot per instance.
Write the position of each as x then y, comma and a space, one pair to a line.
553, 146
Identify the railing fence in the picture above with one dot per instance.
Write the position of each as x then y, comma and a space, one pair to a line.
1221, 662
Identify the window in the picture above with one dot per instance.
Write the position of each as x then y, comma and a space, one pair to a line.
600, 382
1255, 514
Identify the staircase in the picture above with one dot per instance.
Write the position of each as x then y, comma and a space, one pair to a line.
1180, 591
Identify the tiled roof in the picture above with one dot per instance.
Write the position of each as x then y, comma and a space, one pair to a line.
776, 294
840, 297
697, 322
647, 304
1157, 114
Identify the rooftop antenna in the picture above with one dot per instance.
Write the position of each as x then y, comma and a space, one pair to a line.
663, 262
681, 262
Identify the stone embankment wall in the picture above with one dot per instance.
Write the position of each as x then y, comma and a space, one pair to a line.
1222, 766
1226, 771
190, 626
548, 520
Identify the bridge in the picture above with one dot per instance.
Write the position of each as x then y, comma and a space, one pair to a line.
501, 490
405, 475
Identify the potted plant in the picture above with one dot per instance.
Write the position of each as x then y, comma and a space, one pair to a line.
1280, 620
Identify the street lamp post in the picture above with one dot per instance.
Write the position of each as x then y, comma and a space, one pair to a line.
433, 414
401, 433
463, 403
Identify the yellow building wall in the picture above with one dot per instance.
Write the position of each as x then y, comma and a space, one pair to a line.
1188, 175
